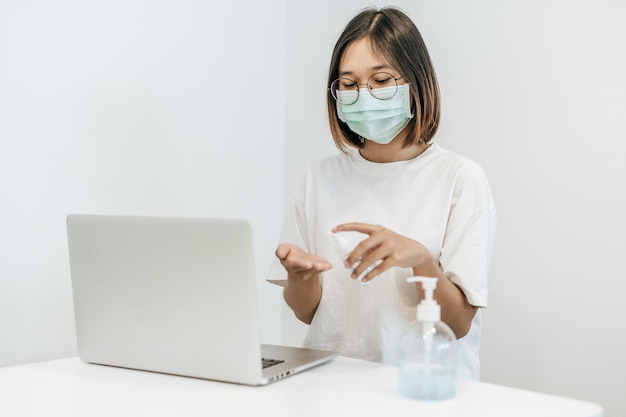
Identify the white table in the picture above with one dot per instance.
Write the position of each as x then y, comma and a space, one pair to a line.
344, 387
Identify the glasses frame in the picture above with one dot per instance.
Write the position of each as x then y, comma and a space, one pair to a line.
367, 85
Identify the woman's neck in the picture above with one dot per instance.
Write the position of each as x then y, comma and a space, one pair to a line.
392, 152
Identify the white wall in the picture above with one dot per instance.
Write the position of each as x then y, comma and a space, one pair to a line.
535, 92
131, 107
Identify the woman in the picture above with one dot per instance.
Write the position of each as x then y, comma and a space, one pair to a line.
403, 205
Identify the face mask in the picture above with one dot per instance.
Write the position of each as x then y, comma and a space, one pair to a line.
374, 119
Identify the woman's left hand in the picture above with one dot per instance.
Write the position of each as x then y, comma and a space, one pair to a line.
383, 249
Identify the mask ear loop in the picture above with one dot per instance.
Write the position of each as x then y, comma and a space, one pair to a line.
361, 140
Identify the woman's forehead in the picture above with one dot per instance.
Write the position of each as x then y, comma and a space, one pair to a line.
360, 56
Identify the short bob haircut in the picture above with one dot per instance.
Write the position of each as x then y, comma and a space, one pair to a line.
396, 39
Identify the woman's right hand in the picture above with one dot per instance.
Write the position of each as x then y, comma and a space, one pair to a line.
299, 264
302, 291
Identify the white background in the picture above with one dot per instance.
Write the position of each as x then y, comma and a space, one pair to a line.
182, 108
131, 107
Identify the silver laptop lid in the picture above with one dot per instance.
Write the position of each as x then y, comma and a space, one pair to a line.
172, 295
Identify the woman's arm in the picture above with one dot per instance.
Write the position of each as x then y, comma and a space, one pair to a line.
456, 311
303, 290
303, 297
399, 251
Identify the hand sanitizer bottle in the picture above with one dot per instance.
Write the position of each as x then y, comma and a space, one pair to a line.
344, 247
428, 351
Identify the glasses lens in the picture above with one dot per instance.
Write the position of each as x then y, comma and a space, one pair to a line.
345, 91
382, 85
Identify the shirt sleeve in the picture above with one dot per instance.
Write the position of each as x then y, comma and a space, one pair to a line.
468, 243
294, 231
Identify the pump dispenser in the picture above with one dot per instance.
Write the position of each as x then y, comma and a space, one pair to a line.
428, 351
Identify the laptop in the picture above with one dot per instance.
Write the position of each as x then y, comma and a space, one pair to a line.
173, 295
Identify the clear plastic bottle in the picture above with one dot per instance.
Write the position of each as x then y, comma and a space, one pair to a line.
345, 247
428, 352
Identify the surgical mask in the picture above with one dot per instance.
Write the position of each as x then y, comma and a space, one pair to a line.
374, 119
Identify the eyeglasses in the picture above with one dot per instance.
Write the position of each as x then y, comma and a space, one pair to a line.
380, 85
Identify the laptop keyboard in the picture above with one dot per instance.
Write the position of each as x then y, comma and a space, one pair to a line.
270, 362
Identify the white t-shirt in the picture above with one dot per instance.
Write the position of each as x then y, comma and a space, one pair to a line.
440, 199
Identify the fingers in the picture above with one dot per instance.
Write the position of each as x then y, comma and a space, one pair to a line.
371, 266
369, 273
381, 250
368, 250
366, 228
295, 260
282, 251
365, 260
